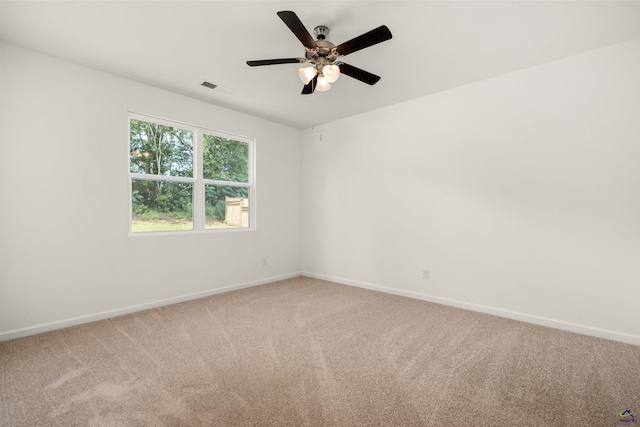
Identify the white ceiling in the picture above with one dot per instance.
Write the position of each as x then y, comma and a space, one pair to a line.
435, 45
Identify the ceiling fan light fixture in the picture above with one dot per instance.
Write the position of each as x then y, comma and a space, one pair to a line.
323, 84
331, 72
323, 54
307, 74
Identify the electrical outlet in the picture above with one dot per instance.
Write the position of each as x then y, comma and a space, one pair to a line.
425, 274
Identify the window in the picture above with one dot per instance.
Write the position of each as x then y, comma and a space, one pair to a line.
186, 178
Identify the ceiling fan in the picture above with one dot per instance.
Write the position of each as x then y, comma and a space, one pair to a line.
324, 56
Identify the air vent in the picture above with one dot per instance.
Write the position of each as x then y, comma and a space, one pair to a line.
220, 89
209, 85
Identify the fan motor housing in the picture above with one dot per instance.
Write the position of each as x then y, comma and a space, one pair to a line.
325, 50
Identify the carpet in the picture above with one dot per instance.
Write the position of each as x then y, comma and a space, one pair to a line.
306, 352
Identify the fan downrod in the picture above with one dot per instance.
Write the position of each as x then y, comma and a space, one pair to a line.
321, 32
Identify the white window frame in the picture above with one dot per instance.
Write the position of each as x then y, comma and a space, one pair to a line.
198, 181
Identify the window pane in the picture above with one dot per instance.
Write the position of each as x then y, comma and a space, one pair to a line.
161, 206
226, 206
160, 150
225, 159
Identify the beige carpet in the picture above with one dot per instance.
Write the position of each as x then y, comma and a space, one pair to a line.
307, 352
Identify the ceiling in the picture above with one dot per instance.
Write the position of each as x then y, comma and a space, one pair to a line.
435, 46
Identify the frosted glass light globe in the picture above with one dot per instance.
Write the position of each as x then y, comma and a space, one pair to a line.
307, 74
331, 72
323, 84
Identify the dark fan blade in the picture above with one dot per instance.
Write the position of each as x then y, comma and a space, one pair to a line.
310, 87
375, 36
275, 61
358, 74
296, 26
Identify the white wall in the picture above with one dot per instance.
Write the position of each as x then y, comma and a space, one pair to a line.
65, 254
520, 194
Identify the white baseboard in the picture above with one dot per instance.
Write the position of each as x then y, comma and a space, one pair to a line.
45, 327
543, 321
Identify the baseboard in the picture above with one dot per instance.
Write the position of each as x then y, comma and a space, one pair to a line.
543, 321
46, 327
552, 323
